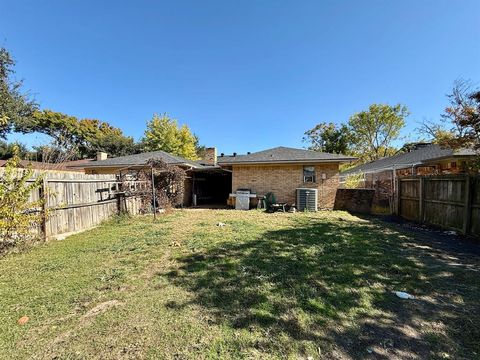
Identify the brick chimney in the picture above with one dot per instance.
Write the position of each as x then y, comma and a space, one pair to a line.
102, 156
210, 157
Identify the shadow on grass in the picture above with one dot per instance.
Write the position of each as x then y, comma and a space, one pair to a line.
327, 285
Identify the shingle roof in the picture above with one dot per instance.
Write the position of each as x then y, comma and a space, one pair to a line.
415, 157
63, 166
142, 159
283, 154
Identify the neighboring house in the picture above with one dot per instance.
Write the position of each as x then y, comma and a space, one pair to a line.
124, 164
105, 165
423, 159
279, 170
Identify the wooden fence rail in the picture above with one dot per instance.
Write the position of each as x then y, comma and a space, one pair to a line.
75, 202
451, 202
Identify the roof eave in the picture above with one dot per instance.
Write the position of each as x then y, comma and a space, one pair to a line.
91, 166
456, 156
307, 161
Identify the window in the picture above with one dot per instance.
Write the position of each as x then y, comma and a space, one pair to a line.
309, 174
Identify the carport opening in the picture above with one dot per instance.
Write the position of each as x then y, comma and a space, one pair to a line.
211, 187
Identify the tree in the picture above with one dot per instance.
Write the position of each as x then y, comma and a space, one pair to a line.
110, 140
464, 115
374, 130
436, 132
200, 150
8, 150
15, 106
460, 123
78, 137
164, 134
327, 137
63, 129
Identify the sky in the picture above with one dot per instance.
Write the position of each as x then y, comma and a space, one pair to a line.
243, 75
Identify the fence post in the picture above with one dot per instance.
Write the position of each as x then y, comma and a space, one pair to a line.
153, 196
421, 200
397, 196
44, 197
467, 218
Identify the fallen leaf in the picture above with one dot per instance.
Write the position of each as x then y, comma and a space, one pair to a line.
23, 320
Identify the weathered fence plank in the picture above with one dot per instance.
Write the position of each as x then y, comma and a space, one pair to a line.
452, 202
76, 201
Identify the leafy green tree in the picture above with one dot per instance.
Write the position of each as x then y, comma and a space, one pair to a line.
81, 137
199, 149
375, 129
112, 141
8, 150
164, 134
15, 106
327, 137
101, 136
63, 129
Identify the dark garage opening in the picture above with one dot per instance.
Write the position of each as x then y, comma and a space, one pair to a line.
211, 187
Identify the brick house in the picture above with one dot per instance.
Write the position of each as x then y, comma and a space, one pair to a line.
280, 170
423, 159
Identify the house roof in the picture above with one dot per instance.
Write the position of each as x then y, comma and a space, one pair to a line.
141, 159
420, 156
283, 154
63, 166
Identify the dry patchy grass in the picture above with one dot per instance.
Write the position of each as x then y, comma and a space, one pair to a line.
313, 285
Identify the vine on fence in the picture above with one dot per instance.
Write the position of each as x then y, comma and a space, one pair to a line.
354, 181
168, 182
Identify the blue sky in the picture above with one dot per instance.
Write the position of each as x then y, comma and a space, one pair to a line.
244, 75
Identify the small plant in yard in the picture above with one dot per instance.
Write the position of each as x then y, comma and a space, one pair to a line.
17, 213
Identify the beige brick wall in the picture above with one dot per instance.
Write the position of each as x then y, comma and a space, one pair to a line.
282, 180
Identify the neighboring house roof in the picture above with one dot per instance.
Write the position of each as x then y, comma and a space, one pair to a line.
75, 163
421, 156
283, 154
65, 166
141, 159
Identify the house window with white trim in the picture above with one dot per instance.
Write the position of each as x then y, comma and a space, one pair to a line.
309, 174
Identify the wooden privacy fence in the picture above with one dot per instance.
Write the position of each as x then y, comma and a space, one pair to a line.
76, 201
451, 202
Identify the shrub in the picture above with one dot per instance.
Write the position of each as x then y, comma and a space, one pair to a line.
17, 213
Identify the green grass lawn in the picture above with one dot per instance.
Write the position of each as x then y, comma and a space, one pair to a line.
300, 286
